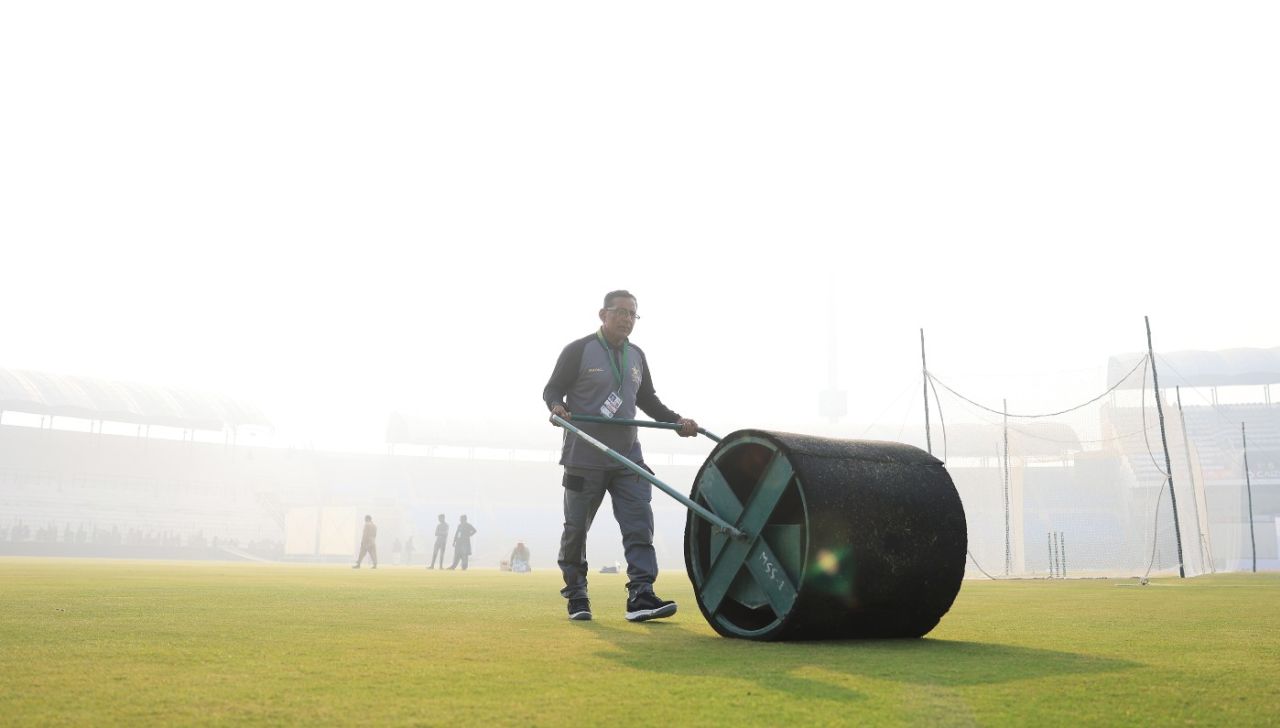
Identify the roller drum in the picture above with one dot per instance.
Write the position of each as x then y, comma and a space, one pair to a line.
846, 538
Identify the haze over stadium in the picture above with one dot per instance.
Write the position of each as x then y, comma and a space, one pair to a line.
269, 267
336, 214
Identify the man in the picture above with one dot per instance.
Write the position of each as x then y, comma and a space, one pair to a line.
605, 374
367, 545
461, 543
442, 537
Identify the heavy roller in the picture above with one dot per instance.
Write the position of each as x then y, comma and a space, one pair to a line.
792, 537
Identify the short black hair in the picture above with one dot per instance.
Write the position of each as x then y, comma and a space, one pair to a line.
608, 297
368, 518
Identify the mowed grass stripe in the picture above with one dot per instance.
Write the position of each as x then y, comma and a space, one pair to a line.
121, 642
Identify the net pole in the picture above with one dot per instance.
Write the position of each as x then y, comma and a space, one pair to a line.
1057, 555
1061, 550
1253, 545
1164, 440
1008, 553
1053, 560
924, 372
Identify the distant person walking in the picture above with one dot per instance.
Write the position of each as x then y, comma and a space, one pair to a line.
408, 552
442, 538
368, 543
462, 543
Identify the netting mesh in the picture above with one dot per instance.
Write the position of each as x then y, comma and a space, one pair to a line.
1084, 490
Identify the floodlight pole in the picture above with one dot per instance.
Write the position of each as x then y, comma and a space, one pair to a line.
1249, 488
924, 371
1164, 440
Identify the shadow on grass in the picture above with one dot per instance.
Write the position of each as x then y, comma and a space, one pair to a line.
813, 668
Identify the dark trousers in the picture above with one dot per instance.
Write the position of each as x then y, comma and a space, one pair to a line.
372, 551
437, 551
631, 497
459, 555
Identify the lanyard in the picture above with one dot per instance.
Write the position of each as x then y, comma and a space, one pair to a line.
617, 373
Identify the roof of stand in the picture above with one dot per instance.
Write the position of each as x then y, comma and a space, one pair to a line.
100, 399
1201, 368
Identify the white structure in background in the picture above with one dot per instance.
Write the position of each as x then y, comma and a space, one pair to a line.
321, 531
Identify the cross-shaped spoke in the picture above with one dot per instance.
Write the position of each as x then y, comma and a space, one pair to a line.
715, 490
768, 573
765, 496
753, 552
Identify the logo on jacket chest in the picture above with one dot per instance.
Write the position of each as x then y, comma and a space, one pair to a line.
635, 373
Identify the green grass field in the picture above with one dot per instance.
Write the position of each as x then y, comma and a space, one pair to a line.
133, 642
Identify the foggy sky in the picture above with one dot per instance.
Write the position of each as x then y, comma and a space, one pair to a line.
337, 210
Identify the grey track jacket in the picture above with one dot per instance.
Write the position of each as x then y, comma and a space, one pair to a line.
582, 380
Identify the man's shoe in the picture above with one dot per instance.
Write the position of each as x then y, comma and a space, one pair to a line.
580, 609
647, 605
357, 566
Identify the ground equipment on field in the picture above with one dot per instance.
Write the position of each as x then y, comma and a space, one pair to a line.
795, 537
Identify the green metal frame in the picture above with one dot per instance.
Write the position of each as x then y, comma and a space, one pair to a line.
639, 423
684, 500
749, 557
749, 571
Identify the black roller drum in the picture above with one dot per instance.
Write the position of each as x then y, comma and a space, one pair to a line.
845, 538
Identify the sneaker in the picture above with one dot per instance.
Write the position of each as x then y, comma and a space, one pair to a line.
357, 566
580, 609
646, 605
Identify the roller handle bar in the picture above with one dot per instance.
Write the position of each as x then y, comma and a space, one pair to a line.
681, 497
639, 423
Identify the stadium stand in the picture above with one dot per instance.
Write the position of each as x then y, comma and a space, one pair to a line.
1092, 477
1212, 451
171, 499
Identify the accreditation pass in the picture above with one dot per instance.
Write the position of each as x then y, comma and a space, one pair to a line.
611, 405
